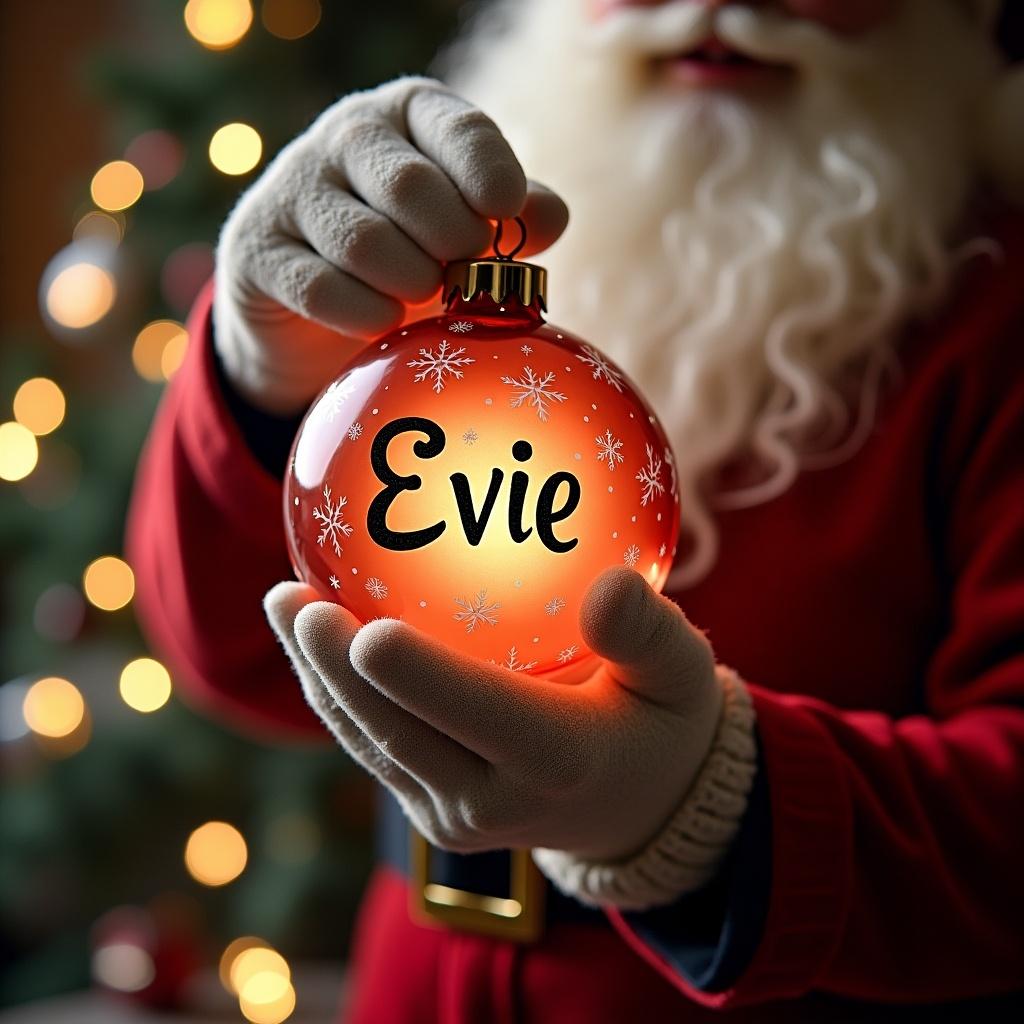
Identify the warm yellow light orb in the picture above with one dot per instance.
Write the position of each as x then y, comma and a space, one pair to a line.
235, 148
218, 24
290, 19
80, 295
53, 707
109, 583
39, 405
173, 355
145, 685
267, 998
116, 186
253, 960
19, 451
156, 339
232, 951
215, 853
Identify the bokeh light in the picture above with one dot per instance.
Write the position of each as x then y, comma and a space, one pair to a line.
184, 273
39, 405
290, 19
116, 185
158, 155
101, 226
59, 613
123, 966
173, 355
145, 685
109, 583
152, 342
19, 451
267, 998
53, 707
215, 853
218, 24
232, 951
235, 148
80, 295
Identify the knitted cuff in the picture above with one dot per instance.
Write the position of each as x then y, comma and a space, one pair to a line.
689, 850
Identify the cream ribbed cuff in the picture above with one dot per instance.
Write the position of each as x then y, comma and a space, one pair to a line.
689, 850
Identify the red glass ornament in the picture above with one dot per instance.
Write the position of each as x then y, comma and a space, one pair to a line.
471, 473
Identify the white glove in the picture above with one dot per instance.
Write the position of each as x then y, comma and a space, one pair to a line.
482, 758
350, 223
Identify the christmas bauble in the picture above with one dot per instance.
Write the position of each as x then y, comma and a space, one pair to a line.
471, 473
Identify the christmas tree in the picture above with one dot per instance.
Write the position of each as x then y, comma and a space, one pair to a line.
108, 777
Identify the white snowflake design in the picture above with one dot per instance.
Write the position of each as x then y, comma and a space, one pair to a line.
526, 350
671, 463
513, 663
355, 431
568, 653
332, 521
661, 551
608, 449
334, 581
470, 436
650, 477
535, 391
460, 327
476, 610
436, 367
600, 368
335, 397
631, 556
376, 588
554, 606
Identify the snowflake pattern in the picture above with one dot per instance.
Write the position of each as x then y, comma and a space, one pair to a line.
608, 449
335, 397
534, 390
436, 367
650, 477
355, 431
332, 521
526, 350
568, 653
512, 662
554, 606
470, 436
600, 368
376, 588
661, 551
671, 463
476, 610
631, 556
460, 327
334, 581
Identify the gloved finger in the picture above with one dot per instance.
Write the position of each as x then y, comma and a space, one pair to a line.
468, 146
493, 712
650, 647
325, 632
282, 605
393, 177
545, 215
301, 280
365, 244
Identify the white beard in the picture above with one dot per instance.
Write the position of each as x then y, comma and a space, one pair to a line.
745, 258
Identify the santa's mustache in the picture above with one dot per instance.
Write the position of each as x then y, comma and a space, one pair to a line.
681, 26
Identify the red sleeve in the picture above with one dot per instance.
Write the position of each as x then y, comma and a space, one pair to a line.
205, 537
897, 844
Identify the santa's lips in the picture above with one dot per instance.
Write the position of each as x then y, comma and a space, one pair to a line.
716, 63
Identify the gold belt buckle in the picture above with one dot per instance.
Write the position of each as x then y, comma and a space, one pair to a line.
519, 917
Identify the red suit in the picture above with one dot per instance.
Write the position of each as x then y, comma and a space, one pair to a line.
876, 610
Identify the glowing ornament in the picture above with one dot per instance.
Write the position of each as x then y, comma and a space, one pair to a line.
471, 473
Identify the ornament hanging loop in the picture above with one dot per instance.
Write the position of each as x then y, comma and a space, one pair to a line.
511, 255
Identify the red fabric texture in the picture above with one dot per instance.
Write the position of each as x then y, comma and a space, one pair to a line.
877, 607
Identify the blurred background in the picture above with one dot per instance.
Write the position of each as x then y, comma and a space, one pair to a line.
150, 861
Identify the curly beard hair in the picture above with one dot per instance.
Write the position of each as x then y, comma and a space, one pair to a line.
747, 258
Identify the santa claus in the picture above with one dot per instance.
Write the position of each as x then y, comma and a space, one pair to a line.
789, 224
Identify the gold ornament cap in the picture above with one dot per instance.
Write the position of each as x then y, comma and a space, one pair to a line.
499, 276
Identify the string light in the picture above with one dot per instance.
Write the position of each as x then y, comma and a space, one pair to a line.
157, 339
145, 685
290, 19
109, 583
116, 185
19, 451
215, 853
235, 148
218, 24
80, 295
267, 998
39, 405
53, 707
